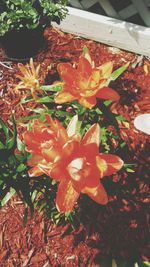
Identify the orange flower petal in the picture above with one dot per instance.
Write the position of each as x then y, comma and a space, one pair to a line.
88, 102
35, 160
71, 147
56, 172
84, 68
51, 153
82, 173
108, 164
108, 93
102, 166
58, 130
63, 97
66, 196
67, 72
95, 78
90, 151
35, 171
98, 194
106, 69
30, 143
92, 135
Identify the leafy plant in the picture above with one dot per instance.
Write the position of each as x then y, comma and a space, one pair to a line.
63, 153
29, 14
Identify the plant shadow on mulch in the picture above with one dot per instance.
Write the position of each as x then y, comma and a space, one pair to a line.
119, 230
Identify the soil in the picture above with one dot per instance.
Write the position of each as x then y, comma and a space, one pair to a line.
121, 229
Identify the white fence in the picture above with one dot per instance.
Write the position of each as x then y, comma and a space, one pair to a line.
136, 11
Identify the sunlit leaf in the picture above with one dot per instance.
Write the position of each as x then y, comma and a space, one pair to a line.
45, 99
8, 196
117, 73
21, 167
52, 88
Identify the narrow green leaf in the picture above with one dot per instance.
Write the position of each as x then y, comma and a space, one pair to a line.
130, 170
5, 129
45, 99
52, 88
117, 73
20, 144
34, 195
8, 196
27, 118
25, 100
11, 142
38, 110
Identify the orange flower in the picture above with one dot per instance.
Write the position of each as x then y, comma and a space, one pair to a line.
45, 143
85, 83
76, 163
29, 78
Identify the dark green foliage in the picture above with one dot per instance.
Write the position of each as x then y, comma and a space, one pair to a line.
18, 14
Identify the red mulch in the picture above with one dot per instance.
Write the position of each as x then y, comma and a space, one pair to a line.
122, 227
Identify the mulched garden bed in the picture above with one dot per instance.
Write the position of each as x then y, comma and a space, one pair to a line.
118, 230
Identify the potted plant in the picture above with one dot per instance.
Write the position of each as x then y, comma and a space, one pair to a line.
22, 24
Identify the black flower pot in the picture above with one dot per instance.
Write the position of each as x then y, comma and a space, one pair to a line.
23, 44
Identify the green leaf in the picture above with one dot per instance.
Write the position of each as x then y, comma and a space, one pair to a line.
45, 99
38, 110
21, 167
128, 167
8, 196
27, 118
52, 88
20, 144
109, 115
107, 102
34, 195
117, 73
130, 170
85, 49
11, 142
1, 145
25, 100
120, 118
123, 144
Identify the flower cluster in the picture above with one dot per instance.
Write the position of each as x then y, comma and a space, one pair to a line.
63, 154
72, 160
